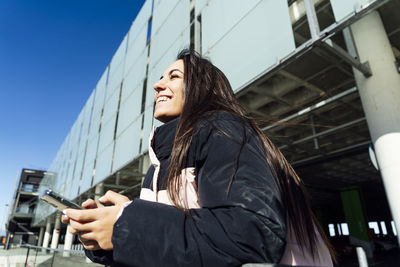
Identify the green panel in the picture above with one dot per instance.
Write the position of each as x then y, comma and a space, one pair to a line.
354, 212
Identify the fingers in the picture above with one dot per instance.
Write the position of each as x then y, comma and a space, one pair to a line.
91, 246
114, 198
91, 204
83, 239
73, 231
64, 219
81, 227
88, 244
82, 216
94, 224
86, 236
88, 204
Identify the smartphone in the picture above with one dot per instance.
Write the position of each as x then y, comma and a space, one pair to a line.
58, 201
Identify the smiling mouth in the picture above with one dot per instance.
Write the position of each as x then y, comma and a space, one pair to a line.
162, 99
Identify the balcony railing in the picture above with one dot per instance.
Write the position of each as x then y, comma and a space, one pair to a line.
29, 188
25, 210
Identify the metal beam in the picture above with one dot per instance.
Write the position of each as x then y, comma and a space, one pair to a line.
116, 186
130, 188
302, 82
312, 19
358, 148
325, 55
130, 174
312, 108
345, 125
314, 132
333, 48
394, 32
300, 21
256, 113
264, 92
349, 41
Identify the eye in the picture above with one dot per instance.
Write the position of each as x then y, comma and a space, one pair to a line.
173, 76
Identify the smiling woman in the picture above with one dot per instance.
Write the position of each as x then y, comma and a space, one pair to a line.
169, 93
218, 193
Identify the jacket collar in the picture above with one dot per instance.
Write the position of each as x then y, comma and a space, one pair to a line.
162, 139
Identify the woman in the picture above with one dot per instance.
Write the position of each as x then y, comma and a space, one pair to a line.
218, 193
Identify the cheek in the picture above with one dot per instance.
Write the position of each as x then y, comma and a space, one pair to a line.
180, 95
180, 102
176, 106
171, 108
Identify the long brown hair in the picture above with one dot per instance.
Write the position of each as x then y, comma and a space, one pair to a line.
206, 89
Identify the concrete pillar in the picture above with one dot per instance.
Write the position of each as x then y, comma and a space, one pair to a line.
47, 234
68, 241
56, 231
361, 256
380, 97
40, 239
98, 191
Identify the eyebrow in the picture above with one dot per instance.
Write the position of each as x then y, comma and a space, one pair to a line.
171, 71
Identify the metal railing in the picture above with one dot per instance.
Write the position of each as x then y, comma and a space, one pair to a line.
48, 257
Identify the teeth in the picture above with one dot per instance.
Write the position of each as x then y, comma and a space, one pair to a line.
162, 99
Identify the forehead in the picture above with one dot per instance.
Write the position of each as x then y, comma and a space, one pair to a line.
175, 65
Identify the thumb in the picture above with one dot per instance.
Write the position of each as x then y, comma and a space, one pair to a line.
113, 198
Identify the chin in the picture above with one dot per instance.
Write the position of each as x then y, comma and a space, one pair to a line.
164, 117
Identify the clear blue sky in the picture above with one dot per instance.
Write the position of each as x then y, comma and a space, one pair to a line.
52, 54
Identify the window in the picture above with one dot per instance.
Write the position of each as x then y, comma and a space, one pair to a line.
345, 229
374, 225
331, 229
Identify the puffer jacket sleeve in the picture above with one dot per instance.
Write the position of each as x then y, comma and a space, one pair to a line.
246, 224
104, 257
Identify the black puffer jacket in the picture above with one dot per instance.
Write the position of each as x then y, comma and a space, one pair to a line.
246, 224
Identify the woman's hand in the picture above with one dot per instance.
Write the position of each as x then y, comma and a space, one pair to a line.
96, 224
88, 204
87, 244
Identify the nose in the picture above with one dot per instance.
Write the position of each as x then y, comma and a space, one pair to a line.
159, 85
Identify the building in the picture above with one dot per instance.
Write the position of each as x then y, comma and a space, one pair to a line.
22, 209
323, 74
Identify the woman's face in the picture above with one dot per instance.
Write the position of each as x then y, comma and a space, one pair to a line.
169, 93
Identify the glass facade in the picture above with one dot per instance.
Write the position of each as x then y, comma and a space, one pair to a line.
346, 8
250, 37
